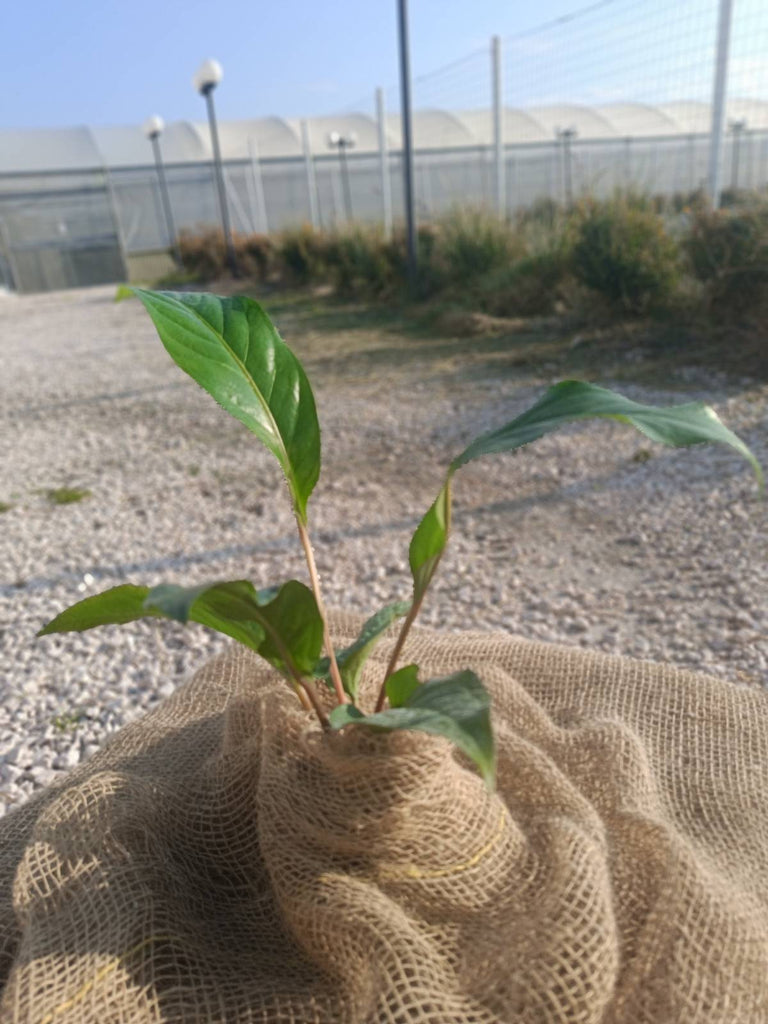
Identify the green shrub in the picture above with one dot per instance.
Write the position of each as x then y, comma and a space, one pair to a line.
432, 271
622, 251
473, 241
302, 255
256, 256
203, 253
361, 261
532, 286
728, 255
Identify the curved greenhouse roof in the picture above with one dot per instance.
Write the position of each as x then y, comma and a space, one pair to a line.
66, 149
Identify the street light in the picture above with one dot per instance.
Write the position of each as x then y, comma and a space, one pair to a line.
206, 78
153, 129
342, 143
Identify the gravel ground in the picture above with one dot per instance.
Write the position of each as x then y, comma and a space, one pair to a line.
593, 537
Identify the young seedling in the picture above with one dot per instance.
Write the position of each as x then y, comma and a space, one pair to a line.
66, 495
231, 348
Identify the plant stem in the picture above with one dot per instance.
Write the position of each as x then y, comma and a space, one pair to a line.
301, 693
310, 693
409, 619
417, 601
338, 686
305, 689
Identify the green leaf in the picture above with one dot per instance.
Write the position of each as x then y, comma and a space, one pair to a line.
282, 624
224, 607
123, 292
117, 605
687, 424
429, 540
401, 685
680, 425
292, 620
346, 714
456, 706
352, 659
232, 349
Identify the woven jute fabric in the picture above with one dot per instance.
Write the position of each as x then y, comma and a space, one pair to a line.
222, 860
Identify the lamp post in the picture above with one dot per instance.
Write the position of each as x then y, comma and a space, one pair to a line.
153, 129
207, 77
342, 143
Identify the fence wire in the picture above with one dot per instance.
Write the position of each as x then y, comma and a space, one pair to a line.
616, 94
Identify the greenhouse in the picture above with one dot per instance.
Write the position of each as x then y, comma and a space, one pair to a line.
82, 205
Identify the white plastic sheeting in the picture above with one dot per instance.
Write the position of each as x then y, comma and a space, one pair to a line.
66, 149
76, 204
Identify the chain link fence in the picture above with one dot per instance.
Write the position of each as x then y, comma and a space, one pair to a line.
615, 95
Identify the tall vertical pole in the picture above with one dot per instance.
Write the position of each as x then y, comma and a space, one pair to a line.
309, 167
337, 198
118, 224
498, 127
219, 169
717, 131
426, 187
165, 199
257, 182
564, 136
5, 244
345, 180
405, 106
386, 185
737, 128
567, 167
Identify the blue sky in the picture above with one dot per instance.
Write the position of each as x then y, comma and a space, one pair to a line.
79, 61
105, 62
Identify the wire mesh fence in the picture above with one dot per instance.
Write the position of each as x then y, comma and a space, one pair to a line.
616, 95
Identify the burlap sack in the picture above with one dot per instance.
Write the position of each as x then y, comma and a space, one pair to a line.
222, 861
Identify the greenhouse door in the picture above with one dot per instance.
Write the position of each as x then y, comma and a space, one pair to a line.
63, 239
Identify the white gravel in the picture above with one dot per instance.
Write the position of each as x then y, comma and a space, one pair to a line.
592, 537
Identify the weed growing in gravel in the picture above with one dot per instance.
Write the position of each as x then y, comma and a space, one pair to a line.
66, 495
67, 721
231, 348
5, 506
642, 455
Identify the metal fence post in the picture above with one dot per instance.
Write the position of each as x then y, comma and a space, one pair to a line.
564, 137
498, 127
118, 225
15, 282
386, 186
309, 166
714, 177
257, 183
737, 130
337, 196
405, 107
